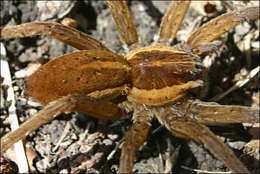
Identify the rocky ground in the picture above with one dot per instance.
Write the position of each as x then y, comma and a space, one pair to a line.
91, 145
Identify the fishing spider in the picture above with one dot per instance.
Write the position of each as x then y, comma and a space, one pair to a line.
158, 81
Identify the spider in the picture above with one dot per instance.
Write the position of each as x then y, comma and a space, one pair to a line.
159, 81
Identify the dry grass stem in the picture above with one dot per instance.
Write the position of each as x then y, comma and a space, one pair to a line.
13, 119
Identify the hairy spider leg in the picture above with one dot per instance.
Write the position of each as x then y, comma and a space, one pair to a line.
65, 34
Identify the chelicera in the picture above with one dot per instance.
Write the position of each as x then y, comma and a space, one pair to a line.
158, 81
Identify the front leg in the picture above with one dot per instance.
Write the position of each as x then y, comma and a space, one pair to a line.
188, 128
65, 34
124, 22
172, 21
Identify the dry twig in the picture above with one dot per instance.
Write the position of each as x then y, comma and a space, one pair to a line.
18, 147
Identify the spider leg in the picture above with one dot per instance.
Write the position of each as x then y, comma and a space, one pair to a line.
48, 113
99, 109
133, 139
213, 29
188, 128
65, 34
124, 22
211, 112
172, 21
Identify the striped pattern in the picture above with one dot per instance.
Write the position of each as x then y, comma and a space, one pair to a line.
79, 72
161, 75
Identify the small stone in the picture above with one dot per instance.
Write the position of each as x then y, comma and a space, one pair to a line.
41, 164
64, 171
54, 9
33, 104
107, 142
74, 136
239, 145
243, 29
112, 136
29, 70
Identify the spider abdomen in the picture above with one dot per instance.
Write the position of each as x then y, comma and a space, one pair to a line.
161, 75
79, 72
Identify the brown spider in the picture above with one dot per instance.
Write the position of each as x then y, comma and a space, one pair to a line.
158, 81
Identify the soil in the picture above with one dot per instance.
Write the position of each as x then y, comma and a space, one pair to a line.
92, 145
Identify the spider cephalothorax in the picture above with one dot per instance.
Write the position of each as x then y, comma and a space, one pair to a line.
157, 81
162, 75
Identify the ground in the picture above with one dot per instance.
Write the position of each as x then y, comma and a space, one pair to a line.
93, 145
